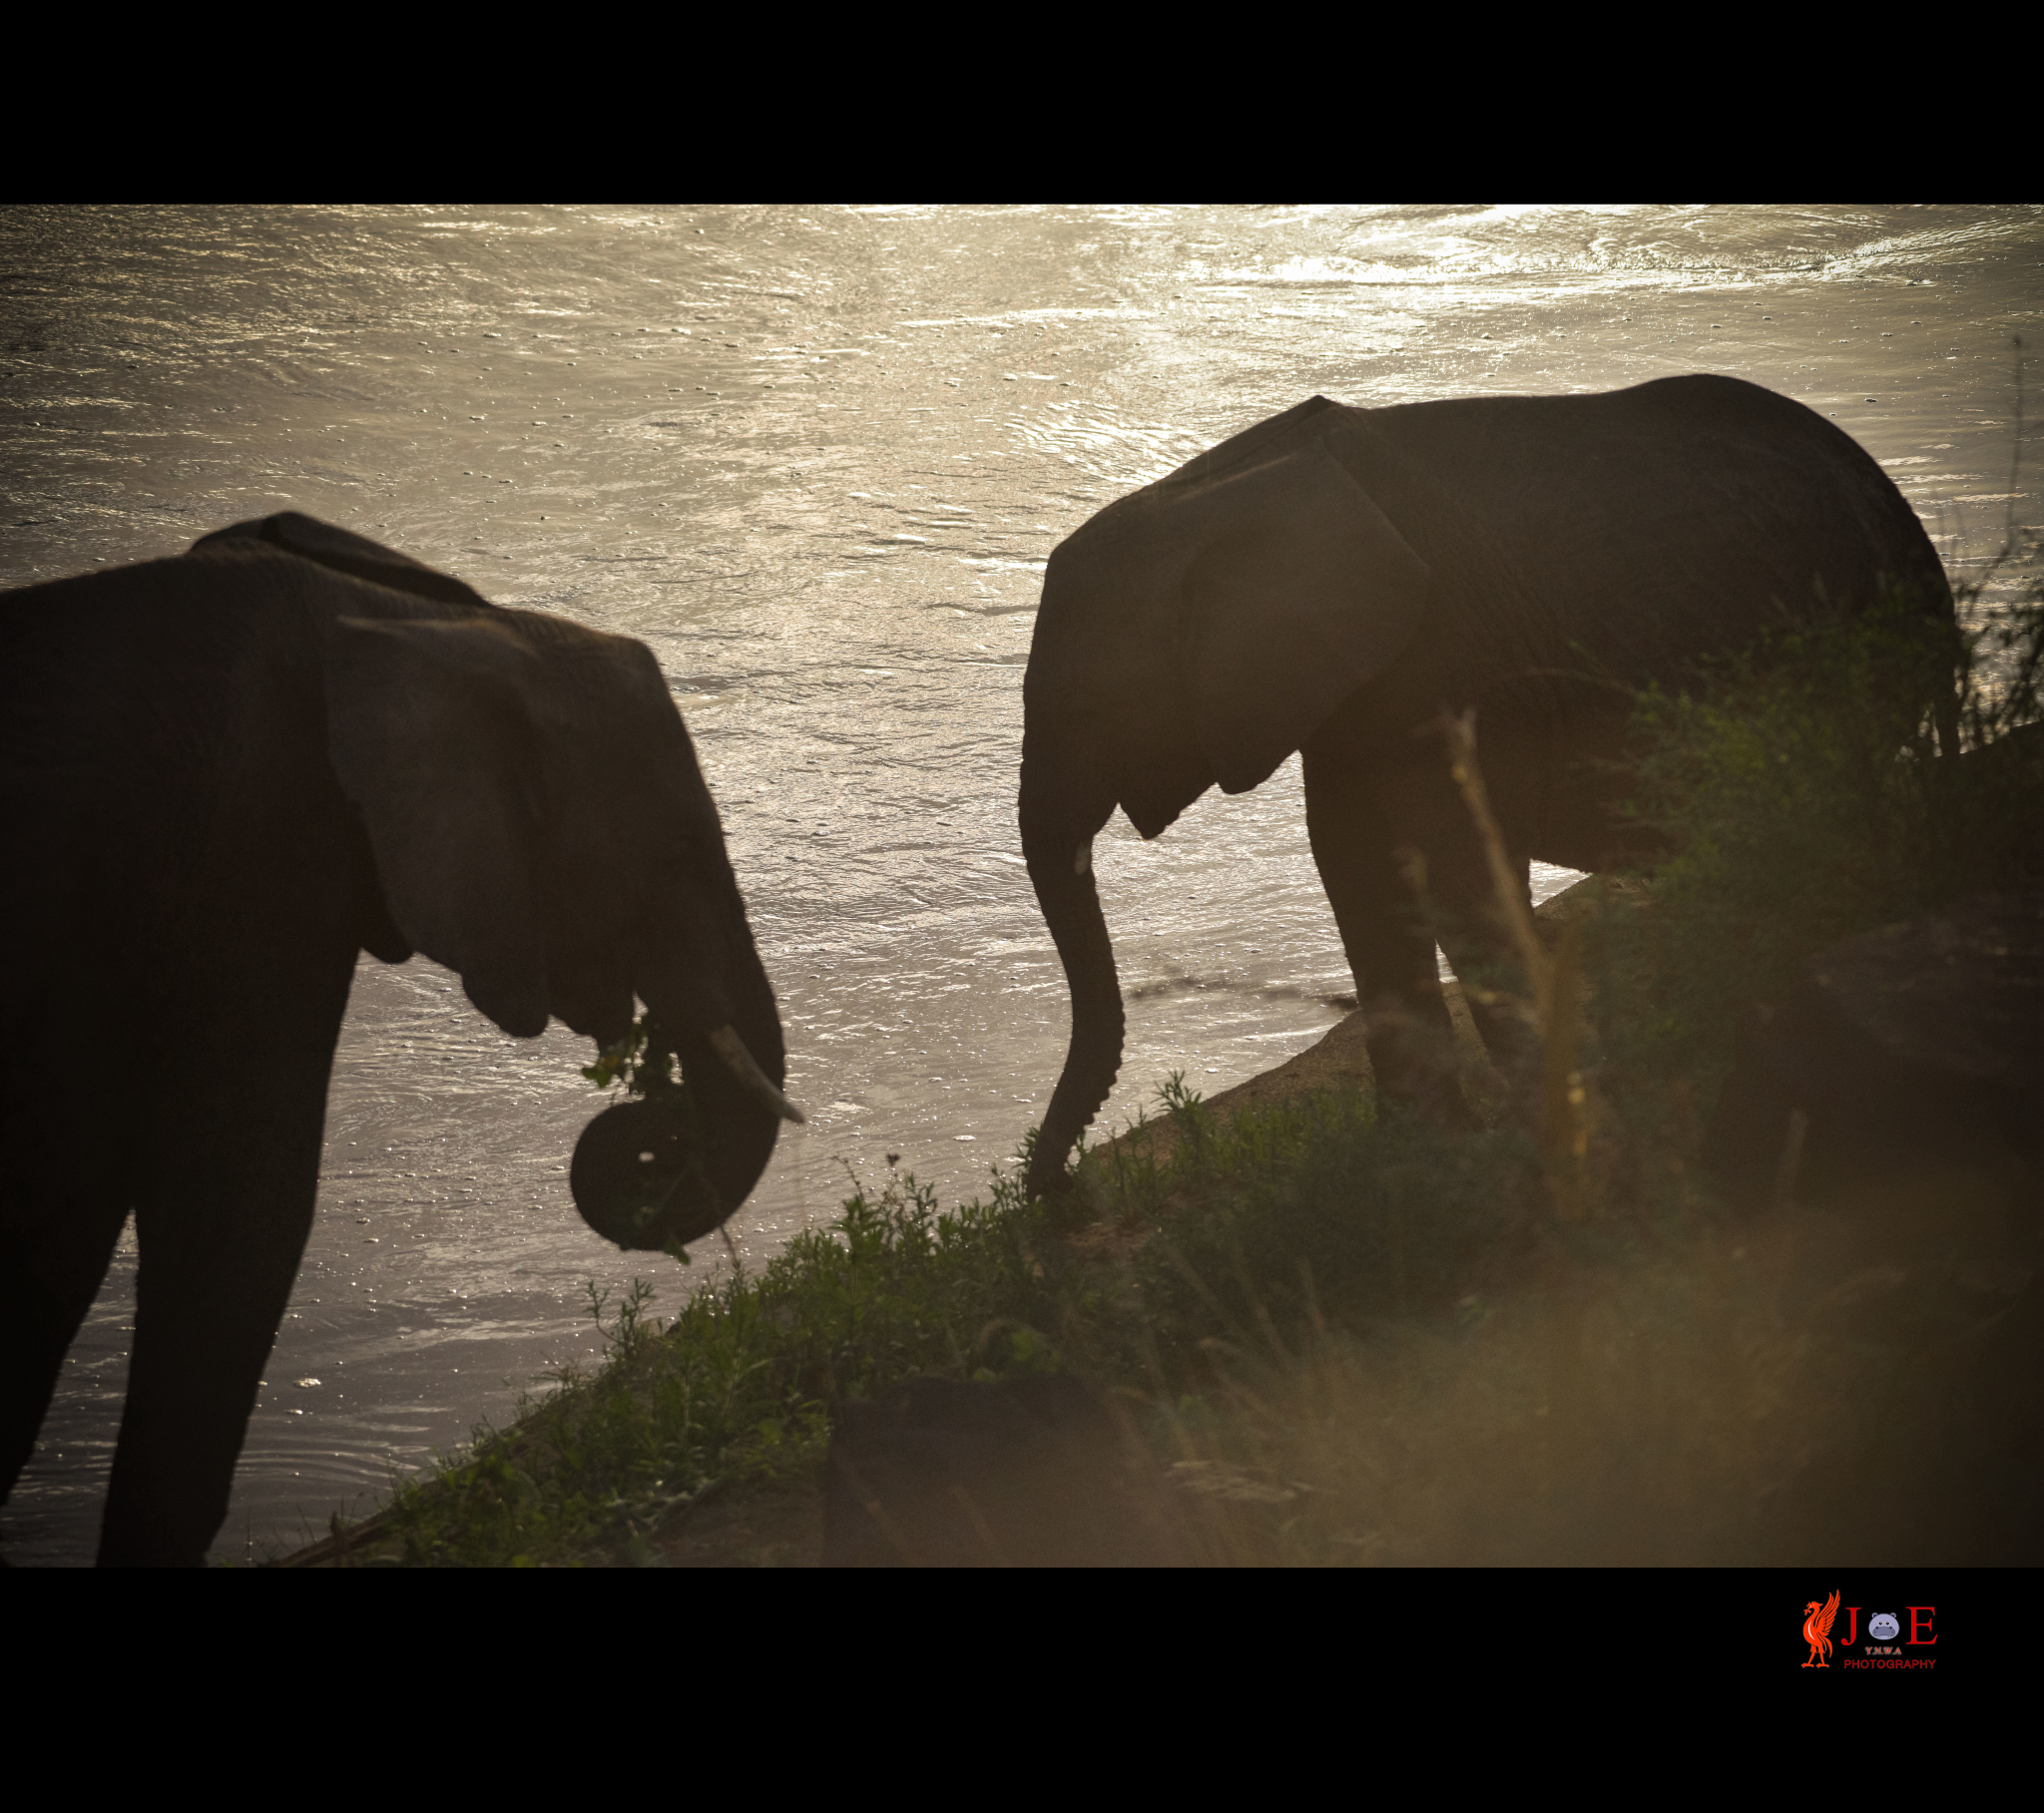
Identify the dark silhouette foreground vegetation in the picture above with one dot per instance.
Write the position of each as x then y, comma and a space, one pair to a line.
1339, 1336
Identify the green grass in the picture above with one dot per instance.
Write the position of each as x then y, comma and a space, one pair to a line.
737, 1387
1402, 1344
1805, 798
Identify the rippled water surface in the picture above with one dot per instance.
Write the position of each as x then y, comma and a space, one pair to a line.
816, 458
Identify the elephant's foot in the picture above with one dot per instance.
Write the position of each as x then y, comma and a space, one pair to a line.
1412, 1056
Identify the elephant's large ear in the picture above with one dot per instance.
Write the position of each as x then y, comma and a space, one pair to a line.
343, 551
1299, 591
431, 733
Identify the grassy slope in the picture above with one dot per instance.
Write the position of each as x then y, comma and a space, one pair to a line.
1349, 1338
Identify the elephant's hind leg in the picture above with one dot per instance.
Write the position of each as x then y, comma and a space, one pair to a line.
50, 1271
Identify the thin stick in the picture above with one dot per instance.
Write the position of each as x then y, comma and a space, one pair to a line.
1511, 892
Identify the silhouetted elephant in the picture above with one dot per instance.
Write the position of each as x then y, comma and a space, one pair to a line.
1334, 578
222, 776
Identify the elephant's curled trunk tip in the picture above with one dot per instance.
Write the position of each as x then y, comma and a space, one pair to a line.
731, 1049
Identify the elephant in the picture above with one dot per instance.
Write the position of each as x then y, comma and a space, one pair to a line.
227, 772
1334, 580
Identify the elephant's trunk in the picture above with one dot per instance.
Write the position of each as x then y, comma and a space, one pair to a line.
1057, 845
739, 1129
710, 996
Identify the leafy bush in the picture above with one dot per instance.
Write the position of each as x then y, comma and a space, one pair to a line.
1319, 1207
1840, 776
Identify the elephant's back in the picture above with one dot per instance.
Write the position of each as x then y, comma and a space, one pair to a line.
127, 701
137, 656
1687, 461
1750, 447
1643, 527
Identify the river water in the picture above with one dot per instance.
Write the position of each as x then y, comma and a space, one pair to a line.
816, 458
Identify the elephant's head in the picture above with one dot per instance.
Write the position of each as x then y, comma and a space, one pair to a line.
1192, 632
539, 825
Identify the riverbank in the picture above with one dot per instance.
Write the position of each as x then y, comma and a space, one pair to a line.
1336, 1336
1343, 1340
774, 1517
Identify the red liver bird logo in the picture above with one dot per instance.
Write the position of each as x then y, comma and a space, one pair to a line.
1816, 1630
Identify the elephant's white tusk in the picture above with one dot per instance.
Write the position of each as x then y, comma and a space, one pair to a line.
731, 1049
1082, 858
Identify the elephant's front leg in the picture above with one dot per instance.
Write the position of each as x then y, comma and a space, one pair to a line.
220, 1241
230, 1171
50, 1269
1359, 833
